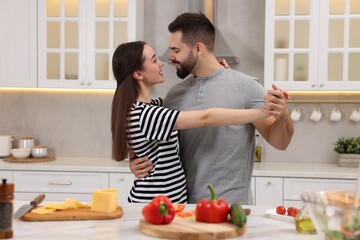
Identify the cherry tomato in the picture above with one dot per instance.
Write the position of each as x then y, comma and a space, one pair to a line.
178, 207
281, 210
184, 214
291, 211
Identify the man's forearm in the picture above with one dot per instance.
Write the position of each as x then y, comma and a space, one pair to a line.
281, 133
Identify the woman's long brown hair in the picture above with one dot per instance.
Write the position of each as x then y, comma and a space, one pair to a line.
127, 58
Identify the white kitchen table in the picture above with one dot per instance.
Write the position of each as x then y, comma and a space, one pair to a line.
259, 226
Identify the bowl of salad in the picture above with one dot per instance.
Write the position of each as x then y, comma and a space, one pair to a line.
334, 214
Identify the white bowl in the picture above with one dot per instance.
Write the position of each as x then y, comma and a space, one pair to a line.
39, 151
20, 153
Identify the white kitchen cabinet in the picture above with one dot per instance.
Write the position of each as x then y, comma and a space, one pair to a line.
294, 187
274, 191
253, 188
123, 182
18, 66
312, 45
58, 185
6, 175
76, 40
269, 191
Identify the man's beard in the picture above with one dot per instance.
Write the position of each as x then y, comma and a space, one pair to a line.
187, 66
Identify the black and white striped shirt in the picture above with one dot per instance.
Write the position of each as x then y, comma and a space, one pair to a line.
150, 133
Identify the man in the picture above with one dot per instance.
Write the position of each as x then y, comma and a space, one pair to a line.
221, 156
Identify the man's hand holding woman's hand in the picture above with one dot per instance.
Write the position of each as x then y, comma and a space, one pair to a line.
277, 103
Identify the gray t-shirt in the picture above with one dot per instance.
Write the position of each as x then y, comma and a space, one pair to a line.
221, 156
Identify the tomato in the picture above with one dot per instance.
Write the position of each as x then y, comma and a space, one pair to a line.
186, 214
178, 207
292, 211
281, 210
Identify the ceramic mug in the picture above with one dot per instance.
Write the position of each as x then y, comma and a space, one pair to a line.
5, 145
296, 114
39, 151
26, 142
316, 114
355, 115
335, 114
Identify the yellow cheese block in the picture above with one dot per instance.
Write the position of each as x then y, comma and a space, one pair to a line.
43, 210
105, 200
56, 206
72, 203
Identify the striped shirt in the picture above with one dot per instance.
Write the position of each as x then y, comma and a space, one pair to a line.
150, 133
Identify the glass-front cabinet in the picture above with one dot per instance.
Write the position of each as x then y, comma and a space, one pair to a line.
76, 40
313, 44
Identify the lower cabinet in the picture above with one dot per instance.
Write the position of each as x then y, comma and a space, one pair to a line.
6, 175
59, 185
294, 187
123, 182
269, 191
274, 191
253, 190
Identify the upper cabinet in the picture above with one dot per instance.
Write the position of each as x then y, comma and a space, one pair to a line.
18, 43
76, 40
312, 44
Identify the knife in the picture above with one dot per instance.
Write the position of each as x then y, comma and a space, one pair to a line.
27, 207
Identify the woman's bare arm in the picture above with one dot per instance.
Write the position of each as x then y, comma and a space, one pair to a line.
218, 117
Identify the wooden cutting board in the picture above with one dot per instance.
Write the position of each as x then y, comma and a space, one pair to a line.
72, 215
188, 228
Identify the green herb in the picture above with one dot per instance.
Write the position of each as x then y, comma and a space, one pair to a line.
355, 224
348, 145
335, 235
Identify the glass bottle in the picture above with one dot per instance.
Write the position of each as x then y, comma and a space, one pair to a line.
258, 149
6, 209
303, 222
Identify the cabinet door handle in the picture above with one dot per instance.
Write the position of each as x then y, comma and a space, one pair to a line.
88, 83
268, 184
82, 83
121, 178
60, 183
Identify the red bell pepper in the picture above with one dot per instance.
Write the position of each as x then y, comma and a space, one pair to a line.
212, 211
159, 210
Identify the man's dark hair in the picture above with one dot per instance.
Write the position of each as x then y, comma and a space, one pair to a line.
195, 27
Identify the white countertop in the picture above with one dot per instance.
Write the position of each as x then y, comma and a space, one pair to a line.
70, 164
305, 170
259, 227
266, 169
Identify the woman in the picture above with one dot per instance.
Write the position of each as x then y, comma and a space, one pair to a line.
140, 125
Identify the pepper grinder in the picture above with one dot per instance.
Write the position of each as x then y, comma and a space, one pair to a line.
6, 209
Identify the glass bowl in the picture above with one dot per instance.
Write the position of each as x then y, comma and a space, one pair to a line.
333, 214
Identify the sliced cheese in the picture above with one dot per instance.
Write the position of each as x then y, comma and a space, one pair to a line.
43, 210
72, 203
56, 206
104, 200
